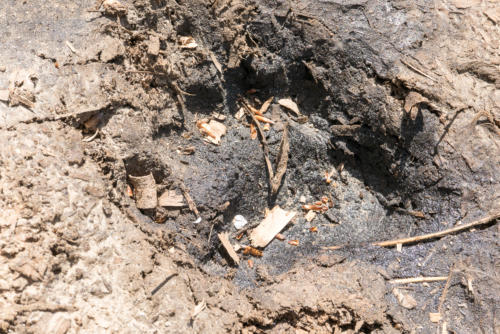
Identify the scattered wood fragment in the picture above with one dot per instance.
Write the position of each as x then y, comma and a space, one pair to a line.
144, 190
189, 200
310, 215
293, 242
280, 237
212, 130
275, 221
290, 105
266, 105
171, 199
313, 229
253, 132
417, 214
392, 243
252, 251
264, 119
187, 42
281, 161
224, 239
435, 317
418, 280
250, 263
240, 113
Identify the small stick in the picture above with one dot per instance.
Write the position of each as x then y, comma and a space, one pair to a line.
483, 221
418, 280
390, 243
264, 142
417, 70
445, 290
89, 139
189, 199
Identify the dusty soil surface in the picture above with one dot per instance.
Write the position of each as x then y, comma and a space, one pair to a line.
399, 103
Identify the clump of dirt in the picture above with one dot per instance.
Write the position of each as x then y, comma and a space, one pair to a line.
397, 127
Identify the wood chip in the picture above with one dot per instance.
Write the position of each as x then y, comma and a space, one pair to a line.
404, 299
252, 251
435, 317
240, 113
418, 214
145, 191
264, 119
289, 104
275, 221
253, 132
310, 215
224, 239
212, 130
266, 105
187, 42
171, 199
293, 242
280, 237
281, 161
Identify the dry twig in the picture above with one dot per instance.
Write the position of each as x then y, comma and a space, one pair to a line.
391, 243
418, 280
281, 161
265, 147
189, 199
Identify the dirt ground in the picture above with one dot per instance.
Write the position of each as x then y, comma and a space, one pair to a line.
399, 108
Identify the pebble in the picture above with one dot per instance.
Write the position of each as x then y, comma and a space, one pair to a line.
2, 68
239, 221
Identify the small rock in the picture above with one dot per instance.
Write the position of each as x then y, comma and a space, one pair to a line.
2, 68
239, 221
405, 299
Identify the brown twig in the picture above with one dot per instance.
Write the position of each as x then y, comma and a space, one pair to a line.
445, 290
418, 280
417, 70
482, 221
391, 243
263, 140
189, 199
